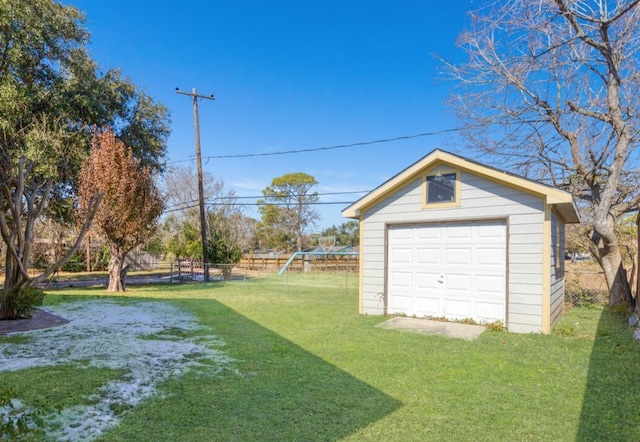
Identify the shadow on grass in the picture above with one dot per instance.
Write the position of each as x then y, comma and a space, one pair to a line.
283, 392
610, 405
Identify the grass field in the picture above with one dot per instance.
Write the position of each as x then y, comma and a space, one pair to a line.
307, 367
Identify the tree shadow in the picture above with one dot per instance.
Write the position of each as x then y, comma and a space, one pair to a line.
283, 392
610, 405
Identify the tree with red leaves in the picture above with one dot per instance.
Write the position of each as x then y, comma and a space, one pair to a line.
131, 203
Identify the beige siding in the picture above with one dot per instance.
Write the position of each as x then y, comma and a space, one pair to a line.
480, 199
521, 297
522, 323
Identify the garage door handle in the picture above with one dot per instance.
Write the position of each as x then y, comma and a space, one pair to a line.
441, 279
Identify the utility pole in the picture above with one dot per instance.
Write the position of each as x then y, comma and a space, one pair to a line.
203, 220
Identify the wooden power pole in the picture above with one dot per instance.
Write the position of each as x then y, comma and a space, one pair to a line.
203, 220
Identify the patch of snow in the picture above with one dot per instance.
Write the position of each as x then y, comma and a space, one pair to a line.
142, 338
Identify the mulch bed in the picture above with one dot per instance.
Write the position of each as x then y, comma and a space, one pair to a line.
39, 319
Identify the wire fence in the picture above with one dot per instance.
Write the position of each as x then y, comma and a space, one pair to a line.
585, 286
194, 270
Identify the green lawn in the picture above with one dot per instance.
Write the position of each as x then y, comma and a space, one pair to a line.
311, 369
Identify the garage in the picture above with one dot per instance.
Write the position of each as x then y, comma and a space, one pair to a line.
449, 237
454, 270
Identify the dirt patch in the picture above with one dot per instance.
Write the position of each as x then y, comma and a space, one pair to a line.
585, 283
587, 275
40, 319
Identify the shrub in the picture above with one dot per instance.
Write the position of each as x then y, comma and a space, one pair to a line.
100, 257
75, 264
575, 295
496, 326
25, 302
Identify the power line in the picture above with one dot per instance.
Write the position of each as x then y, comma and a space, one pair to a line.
227, 199
318, 149
339, 146
349, 192
318, 203
194, 205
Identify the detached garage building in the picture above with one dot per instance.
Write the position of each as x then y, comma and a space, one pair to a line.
449, 237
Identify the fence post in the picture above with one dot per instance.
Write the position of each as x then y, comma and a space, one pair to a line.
346, 279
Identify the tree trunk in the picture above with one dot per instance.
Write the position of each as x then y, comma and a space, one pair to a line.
117, 273
614, 272
8, 309
13, 283
88, 253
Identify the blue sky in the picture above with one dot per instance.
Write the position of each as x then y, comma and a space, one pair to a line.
290, 75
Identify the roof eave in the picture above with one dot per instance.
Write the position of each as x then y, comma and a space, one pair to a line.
561, 199
568, 211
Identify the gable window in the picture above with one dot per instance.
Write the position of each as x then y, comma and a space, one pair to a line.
441, 188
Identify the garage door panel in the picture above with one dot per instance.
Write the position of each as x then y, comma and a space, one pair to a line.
403, 256
428, 306
427, 281
457, 309
458, 270
457, 282
457, 232
399, 234
401, 279
455, 257
427, 256
400, 303
427, 235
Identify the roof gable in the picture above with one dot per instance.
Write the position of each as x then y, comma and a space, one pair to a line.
561, 200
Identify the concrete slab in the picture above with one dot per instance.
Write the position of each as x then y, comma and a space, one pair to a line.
427, 326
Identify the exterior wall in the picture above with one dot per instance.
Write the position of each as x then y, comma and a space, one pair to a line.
480, 199
557, 268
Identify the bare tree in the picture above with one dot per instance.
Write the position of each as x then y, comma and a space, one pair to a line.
180, 189
553, 87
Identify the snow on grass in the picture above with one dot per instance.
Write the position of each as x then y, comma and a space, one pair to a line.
146, 339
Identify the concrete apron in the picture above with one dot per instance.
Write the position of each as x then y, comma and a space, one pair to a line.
429, 327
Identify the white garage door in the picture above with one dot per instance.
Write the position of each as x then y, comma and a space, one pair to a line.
453, 270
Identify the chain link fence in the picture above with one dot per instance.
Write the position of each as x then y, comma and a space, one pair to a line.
194, 270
